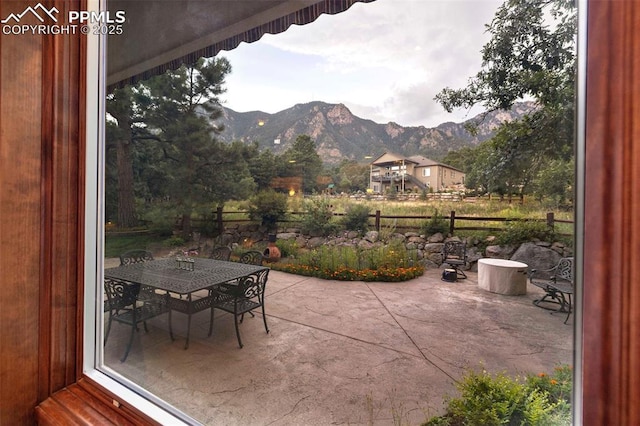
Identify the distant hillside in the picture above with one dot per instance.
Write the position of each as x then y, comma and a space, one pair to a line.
339, 134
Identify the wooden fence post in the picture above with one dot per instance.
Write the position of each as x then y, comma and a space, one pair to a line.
219, 220
452, 221
377, 225
551, 221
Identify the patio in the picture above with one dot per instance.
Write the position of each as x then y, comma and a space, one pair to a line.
344, 352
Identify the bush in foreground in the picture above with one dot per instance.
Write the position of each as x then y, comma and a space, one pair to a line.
538, 400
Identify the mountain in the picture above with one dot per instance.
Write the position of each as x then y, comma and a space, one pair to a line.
339, 134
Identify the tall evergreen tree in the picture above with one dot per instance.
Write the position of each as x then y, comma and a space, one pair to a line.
125, 128
302, 160
198, 169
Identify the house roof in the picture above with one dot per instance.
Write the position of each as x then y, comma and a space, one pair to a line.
419, 161
425, 162
389, 158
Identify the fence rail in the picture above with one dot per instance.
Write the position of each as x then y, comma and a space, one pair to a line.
454, 221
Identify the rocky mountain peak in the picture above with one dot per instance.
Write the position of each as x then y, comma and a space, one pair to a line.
341, 135
339, 115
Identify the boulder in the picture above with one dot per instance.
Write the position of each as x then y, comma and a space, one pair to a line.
365, 244
301, 241
436, 238
352, 234
433, 248
499, 252
435, 258
372, 236
316, 242
536, 256
416, 239
286, 236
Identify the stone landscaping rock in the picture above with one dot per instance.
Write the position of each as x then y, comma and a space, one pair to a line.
352, 234
411, 246
436, 238
396, 237
301, 241
286, 236
542, 243
499, 252
372, 236
433, 247
536, 256
365, 244
315, 242
428, 264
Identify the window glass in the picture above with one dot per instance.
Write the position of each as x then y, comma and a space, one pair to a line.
193, 161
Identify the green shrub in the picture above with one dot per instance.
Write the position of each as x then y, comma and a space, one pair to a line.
174, 241
519, 232
486, 399
346, 263
392, 193
161, 219
288, 248
318, 217
356, 218
268, 207
437, 224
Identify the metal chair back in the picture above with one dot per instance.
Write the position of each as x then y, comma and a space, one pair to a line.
220, 253
135, 256
252, 257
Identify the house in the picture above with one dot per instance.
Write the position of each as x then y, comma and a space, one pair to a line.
50, 87
412, 174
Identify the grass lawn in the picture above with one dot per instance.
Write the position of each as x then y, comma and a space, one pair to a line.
115, 244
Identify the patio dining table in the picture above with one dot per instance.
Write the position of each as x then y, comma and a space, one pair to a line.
170, 276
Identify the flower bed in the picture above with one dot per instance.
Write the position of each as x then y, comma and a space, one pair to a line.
383, 274
392, 262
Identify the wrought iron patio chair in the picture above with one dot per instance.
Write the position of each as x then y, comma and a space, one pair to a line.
135, 256
127, 308
454, 254
220, 253
252, 257
240, 299
139, 256
557, 283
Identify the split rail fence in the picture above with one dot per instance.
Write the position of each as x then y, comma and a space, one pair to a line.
456, 223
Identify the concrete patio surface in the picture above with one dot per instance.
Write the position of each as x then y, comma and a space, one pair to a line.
346, 353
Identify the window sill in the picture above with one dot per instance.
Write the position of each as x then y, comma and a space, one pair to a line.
85, 402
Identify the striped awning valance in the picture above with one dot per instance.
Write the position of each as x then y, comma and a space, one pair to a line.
162, 35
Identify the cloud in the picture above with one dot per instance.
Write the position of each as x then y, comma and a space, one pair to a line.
387, 58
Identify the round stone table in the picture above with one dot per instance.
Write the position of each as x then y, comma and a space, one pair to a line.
502, 276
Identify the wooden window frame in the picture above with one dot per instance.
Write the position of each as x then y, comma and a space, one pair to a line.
608, 374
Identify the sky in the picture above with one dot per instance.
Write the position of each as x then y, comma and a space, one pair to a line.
384, 60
